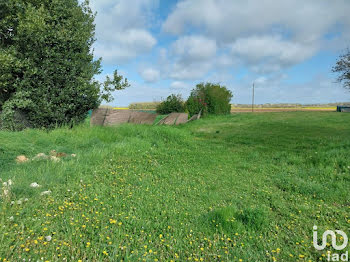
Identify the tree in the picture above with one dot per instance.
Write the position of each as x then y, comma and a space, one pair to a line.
343, 68
46, 63
209, 98
173, 103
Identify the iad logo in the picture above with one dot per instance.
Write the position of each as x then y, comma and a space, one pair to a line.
334, 256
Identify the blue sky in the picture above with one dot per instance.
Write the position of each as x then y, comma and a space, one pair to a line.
286, 47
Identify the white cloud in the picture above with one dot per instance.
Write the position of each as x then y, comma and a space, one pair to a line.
255, 48
260, 80
224, 61
122, 32
150, 75
127, 13
190, 71
189, 57
194, 48
280, 33
131, 44
272, 51
179, 85
227, 19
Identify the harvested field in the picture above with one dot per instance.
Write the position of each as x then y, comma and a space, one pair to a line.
260, 110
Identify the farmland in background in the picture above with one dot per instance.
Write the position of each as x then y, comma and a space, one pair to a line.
236, 108
144, 105
285, 107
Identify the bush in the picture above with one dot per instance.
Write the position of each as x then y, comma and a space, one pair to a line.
16, 121
174, 103
210, 99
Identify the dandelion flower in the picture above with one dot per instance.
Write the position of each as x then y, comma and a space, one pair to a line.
112, 221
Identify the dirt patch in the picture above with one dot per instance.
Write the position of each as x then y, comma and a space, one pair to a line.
142, 118
182, 118
110, 117
114, 117
174, 119
21, 159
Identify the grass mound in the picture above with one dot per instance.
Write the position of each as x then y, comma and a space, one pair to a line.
233, 221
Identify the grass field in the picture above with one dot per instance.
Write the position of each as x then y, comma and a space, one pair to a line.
244, 187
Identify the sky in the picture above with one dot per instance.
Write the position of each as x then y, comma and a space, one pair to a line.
287, 48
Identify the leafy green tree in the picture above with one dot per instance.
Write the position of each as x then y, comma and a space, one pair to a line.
173, 103
46, 63
209, 98
343, 68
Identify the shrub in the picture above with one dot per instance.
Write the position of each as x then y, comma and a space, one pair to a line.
210, 99
196, 104
173, 103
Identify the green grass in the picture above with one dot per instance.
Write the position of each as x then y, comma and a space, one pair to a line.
245, 186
